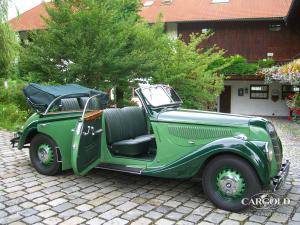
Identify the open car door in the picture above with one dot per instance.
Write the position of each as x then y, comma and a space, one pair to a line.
86, 146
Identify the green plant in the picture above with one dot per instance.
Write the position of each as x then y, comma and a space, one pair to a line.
265, 63
11, 117
8, 44
293, 102
192, 72
239, 66
99, 44
13, 107
288, 73
105, 44
13, 94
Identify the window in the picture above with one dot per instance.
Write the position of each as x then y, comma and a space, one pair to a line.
289, 90
275, 27
205, 30
259, 91
148, 3
220, 1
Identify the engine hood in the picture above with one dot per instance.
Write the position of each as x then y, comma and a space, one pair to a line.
203, 117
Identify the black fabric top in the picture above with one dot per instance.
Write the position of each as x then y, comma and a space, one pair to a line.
40, 96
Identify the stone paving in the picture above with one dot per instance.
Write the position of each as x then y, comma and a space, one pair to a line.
104, 197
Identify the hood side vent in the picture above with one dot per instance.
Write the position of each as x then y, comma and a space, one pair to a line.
195, 133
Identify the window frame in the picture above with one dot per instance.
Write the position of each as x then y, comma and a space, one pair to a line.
259, 85
285, 94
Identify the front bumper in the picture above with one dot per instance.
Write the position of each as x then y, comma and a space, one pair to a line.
279, 180
16, 138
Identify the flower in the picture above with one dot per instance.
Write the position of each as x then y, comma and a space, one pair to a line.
290, 117
289, 73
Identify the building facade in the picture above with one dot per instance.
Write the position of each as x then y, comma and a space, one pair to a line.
253, 29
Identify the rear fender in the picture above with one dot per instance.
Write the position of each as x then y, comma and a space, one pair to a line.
27, 134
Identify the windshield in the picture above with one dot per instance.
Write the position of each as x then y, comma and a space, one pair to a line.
161, 95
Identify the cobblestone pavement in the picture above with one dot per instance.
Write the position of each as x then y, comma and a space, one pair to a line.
104, 197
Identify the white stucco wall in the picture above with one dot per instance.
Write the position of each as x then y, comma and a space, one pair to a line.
259, 107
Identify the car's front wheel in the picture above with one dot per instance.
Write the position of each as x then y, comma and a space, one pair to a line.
227, 179
44, 155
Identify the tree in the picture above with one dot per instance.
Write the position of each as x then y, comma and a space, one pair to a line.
193, 72
89, 42
106, 43
8, 44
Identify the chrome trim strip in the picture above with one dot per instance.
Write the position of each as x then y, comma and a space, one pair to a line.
118, 170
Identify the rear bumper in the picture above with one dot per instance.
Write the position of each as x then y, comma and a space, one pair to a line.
16, 137
279, 180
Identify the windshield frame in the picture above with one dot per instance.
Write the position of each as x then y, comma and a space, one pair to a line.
173, 104
85, 109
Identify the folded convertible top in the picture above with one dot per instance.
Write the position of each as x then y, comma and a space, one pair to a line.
40, 96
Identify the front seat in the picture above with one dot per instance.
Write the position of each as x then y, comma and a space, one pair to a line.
127, 132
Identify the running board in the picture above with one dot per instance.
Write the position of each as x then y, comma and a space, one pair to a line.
119, 168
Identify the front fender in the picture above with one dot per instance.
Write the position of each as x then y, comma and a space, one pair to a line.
189, 165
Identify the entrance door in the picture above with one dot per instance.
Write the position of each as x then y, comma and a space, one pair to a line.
225, 100
86, 144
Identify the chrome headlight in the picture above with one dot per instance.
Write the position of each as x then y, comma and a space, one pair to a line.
269, 151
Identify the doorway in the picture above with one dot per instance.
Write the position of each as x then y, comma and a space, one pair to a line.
225, 100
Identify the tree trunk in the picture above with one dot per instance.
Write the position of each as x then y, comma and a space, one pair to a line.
119, 96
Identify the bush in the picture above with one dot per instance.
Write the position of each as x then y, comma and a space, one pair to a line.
11, 117
192, 72
266, 63
240, 66
13, 107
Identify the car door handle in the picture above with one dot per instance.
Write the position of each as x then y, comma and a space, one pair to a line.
191, 142
96, 132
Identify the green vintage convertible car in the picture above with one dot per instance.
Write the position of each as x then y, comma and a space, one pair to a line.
234, 156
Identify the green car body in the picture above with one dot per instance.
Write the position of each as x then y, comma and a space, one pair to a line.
212, 134
186, 141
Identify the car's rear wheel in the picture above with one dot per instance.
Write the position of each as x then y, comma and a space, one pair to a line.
227, 179
44, 155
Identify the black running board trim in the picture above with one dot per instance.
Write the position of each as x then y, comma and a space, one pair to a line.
119, 168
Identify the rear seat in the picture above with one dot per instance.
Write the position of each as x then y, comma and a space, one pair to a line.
127, 132
70, 104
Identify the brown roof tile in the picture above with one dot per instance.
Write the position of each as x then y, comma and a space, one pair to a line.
205, 10
31, 19
181, 11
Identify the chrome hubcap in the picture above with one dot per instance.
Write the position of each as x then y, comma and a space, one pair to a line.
230, 183
45, 154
